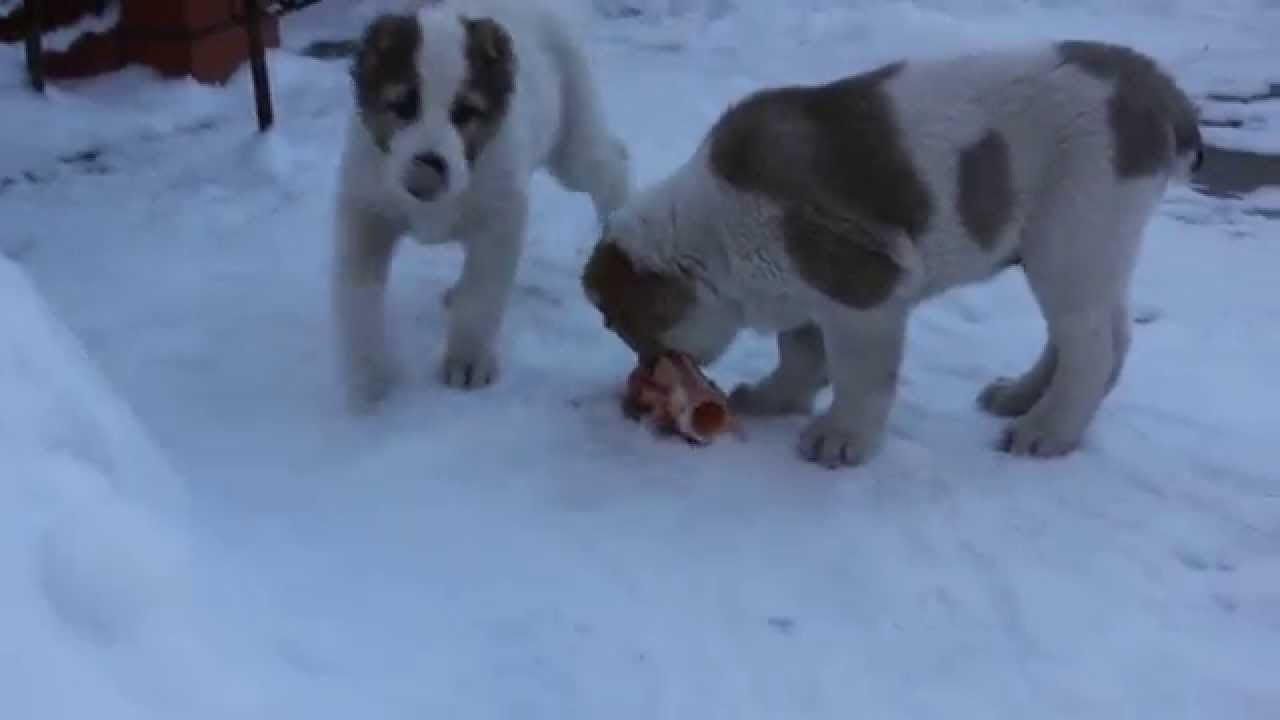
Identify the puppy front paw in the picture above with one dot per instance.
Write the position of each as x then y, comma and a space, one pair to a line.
833, 445
765, 400
1039, 436
369, 383
469, 370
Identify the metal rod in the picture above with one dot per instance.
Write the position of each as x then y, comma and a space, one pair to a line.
34, 12
258, 65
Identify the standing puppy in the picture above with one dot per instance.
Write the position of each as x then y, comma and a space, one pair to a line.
827, 213
457, 104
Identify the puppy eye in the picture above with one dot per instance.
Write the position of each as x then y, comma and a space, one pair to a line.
465, 113
405, 108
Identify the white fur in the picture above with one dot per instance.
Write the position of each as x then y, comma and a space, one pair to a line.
555, 122
1076, 227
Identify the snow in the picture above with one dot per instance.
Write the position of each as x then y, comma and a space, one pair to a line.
193, 527
99, 587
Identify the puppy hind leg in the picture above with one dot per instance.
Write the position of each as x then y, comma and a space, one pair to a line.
792, 386
1086, 358
1080, 264
588, 158
1122, 339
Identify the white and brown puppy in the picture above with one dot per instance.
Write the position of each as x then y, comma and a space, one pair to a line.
826, 213
458, 103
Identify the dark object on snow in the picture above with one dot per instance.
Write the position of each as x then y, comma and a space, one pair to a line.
1233, 173
258, 64
13, 15
33, 16
1271, 93
332, 49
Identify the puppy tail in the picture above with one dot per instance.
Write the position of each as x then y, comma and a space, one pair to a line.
588, 157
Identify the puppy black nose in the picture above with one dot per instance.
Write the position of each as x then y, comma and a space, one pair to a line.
432, 161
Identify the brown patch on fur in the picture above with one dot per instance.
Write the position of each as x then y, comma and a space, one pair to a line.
1145, 108
638, 305
385, 75
837, 143
832, 158
842, 256
485, 98
984, 194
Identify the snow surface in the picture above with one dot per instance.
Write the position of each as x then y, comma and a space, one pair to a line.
192, 527
99, 577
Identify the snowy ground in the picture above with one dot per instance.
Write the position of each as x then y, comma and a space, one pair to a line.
194, 528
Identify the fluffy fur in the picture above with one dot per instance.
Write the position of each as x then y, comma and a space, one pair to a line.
458, 103
826, 213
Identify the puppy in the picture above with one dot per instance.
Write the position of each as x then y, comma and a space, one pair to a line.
826, 213
457, 104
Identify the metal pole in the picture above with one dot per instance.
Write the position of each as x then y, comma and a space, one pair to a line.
258, 65
34, 15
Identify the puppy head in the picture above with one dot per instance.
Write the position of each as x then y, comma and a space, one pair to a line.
433, 90
654, 311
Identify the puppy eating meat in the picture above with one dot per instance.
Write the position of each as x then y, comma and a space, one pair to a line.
826, 213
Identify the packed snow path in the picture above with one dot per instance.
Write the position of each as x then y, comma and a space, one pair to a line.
523, 552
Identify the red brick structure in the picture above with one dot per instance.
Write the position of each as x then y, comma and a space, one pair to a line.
57, 14
204, 39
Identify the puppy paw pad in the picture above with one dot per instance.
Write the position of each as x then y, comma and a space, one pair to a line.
467, 372
825, 443
1033, 437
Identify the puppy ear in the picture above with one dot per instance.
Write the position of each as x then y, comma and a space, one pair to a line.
850, 257
385, 53
489, 39
387, 33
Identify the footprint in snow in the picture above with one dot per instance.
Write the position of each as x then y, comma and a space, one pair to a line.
1199, 562
784, 625
1147, 315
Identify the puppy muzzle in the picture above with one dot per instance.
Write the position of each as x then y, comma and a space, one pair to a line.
427, 176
